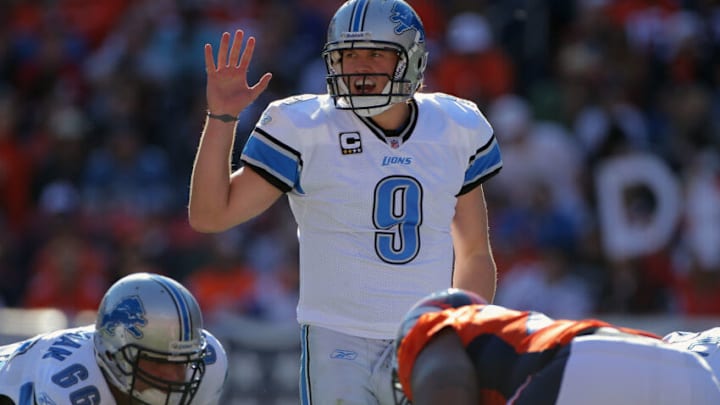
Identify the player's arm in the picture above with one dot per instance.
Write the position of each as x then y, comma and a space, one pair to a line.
443, 373
474, 263
218, 207
220, 199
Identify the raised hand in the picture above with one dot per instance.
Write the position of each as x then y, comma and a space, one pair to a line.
228, 91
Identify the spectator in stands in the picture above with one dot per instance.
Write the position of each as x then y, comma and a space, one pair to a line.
549, 283
225, 284
59, 147
68, 271
474, 66
15, 168
127, 175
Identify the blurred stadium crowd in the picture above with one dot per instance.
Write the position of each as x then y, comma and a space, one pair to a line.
102, 104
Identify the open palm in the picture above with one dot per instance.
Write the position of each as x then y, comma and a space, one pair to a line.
228, 91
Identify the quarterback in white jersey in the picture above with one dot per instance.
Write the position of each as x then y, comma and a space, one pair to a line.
384, 183
373, 212
147, 346
706, 343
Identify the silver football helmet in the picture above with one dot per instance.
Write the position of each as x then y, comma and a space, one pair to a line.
149, 341
375, 24
437, 301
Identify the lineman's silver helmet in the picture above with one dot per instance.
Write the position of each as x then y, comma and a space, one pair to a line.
149, 341
376, 24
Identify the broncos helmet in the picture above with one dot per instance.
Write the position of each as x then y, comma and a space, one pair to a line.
149, 341
375, 24
437, 301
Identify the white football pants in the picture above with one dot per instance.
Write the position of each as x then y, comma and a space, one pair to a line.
341, 369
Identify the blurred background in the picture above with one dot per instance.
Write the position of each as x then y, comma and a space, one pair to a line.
607, 113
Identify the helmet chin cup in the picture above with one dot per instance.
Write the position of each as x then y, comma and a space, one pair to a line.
151, 396
371, 112
366, 105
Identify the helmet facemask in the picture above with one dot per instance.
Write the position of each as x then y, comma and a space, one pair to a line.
396, 90
152, 378
164, 379
398, 393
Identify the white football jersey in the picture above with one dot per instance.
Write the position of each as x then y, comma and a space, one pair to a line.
373, 211
705, 343
60, 368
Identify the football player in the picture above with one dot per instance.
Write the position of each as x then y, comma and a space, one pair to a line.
147, 346
705, 343
455, 348
384, 182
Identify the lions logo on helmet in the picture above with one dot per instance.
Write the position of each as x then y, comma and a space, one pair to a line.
376, 24
129, 313
406, 19
149, 340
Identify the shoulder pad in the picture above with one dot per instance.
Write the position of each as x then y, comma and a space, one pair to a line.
464, 112
302, 111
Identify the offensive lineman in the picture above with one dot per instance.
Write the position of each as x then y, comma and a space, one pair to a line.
147, 346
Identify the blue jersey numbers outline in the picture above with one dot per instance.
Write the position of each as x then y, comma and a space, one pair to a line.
397, 214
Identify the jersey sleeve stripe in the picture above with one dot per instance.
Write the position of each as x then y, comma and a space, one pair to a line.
485, 164
277, 144
273, 160
272, 179
480, 180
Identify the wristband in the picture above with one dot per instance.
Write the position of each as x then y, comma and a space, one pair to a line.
222, 117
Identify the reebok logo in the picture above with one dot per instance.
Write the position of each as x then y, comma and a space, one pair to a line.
343, 354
